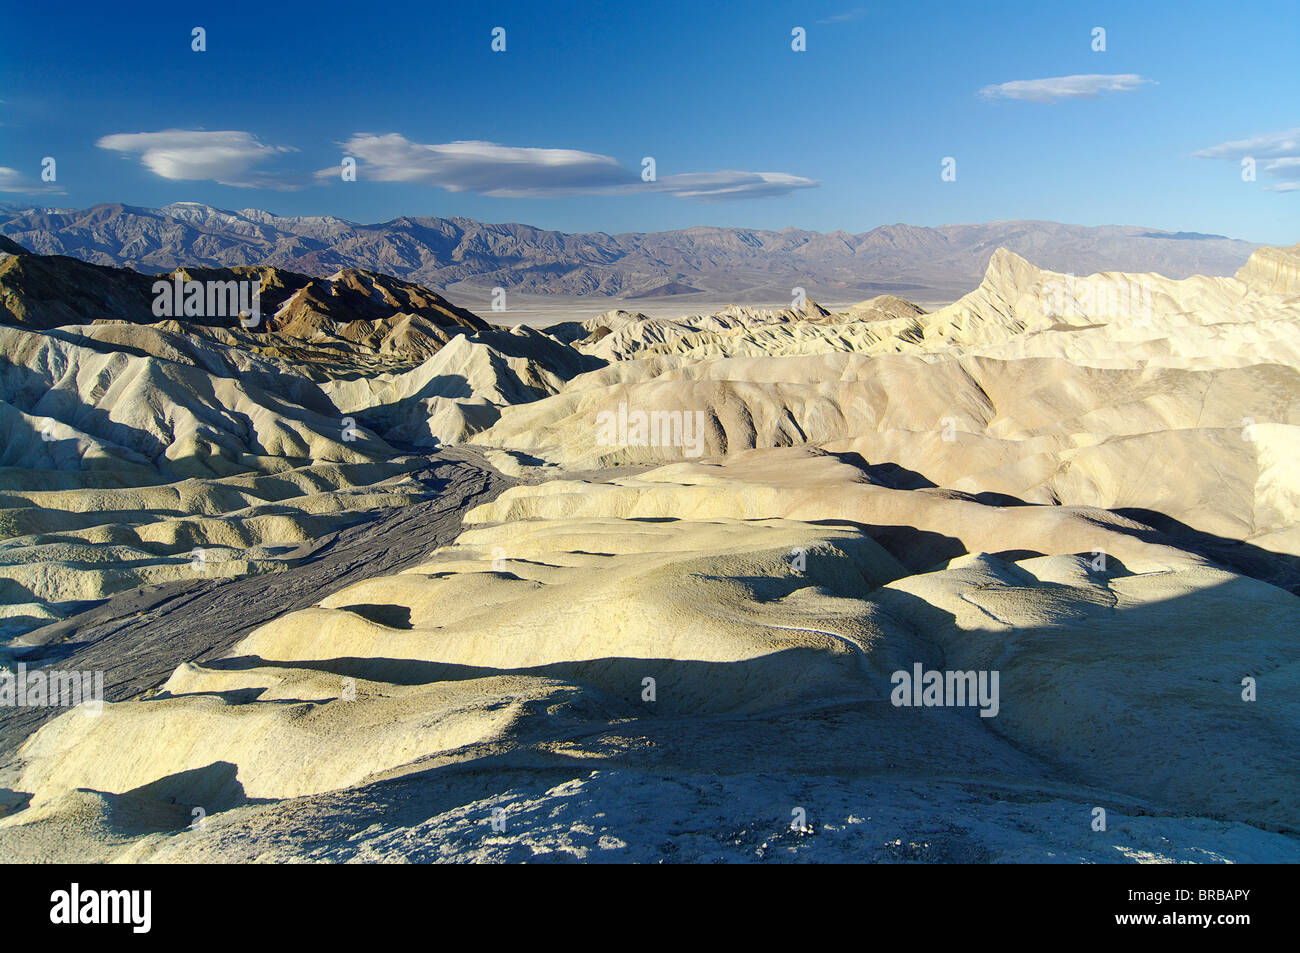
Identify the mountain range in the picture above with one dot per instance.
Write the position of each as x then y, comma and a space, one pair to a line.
460, 254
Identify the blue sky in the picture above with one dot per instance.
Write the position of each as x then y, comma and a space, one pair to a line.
744, 130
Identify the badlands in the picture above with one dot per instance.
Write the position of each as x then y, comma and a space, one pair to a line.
379, 581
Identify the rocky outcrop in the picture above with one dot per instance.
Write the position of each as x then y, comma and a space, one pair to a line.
1273, 270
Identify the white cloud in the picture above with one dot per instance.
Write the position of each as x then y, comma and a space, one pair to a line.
488, 168
728, 184
483, 167
11, 180
1084, 86
1267, 146
226, 157
1282, 147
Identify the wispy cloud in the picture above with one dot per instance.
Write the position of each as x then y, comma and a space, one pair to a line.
488, 168
11, 180
1054, 88
1267, 146
728, 184
857, 13
227, 157
1282, 147
483, 167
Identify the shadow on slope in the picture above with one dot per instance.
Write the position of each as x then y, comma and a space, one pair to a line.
1277, 569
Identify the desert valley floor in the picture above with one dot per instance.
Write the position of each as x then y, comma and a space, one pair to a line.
380, 580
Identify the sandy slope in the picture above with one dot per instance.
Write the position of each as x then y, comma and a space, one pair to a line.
1094, 500
138, 455
543, 656
1113, 391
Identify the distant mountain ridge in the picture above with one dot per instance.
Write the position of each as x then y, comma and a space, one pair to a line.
747, 264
